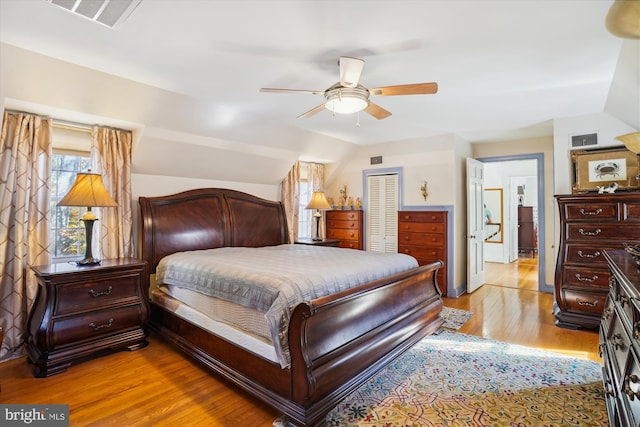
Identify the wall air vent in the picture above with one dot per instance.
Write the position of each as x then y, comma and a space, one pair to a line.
584, 140
111, 13
376, 160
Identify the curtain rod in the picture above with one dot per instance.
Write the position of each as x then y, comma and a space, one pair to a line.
66, 124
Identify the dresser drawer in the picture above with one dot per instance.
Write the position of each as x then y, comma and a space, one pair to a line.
424, 216
429, 254
343, 215
587, 276
342, 234
595, 212
349, 244
586, 254
345, 224
583, 301
96, 293
418, 227
596, 231
69, 330
632, 211
421, 239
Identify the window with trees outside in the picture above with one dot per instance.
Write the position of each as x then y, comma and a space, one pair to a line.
67, 232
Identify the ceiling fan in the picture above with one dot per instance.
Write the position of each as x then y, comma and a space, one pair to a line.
348, 96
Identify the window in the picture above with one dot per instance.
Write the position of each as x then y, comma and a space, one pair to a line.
304, 215
67, 233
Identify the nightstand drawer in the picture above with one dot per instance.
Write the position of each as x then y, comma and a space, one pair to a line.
342, 234
96, 293
343, 224
97, 323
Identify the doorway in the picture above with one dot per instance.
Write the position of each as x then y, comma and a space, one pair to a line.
515, 258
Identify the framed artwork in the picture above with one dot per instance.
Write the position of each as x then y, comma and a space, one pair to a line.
602, 167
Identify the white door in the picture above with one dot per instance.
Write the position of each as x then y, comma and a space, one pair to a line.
382, 213
475, 224
513, 220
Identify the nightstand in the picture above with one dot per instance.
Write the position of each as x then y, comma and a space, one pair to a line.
323, 242
82, 311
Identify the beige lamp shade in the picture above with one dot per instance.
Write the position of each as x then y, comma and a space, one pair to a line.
631, 141
623, 19
88, 190
319, 201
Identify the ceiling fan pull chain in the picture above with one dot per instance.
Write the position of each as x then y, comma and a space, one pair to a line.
358, 119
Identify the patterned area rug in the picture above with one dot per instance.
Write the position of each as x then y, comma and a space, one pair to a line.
454, 379
454, 318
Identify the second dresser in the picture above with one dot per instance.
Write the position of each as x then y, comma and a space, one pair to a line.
423, 235
589, 225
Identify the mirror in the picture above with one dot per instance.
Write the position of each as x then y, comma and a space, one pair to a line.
493, 215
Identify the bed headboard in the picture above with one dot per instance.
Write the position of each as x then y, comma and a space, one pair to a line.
208, 218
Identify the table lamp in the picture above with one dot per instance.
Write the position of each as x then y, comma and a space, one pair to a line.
318, 202
88, 190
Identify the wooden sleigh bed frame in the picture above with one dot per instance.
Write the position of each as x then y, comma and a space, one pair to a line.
335, 346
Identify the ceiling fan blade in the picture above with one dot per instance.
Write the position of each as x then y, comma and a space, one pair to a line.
377, 111
275, 90
410, 89
311, 112
350, 71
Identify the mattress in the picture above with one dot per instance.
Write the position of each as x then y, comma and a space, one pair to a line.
273, 280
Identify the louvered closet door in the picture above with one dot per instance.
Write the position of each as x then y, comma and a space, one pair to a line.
382, 213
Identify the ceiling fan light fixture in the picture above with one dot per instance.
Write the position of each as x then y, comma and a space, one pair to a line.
346, 100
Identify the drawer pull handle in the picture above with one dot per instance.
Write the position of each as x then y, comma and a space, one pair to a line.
601, 349
627, 387
636, 330
104, 325
586, 279
596, 212
617, 342
623, 300
95, 294
607, 313
608, 387
596, 254
589, 233
586, 303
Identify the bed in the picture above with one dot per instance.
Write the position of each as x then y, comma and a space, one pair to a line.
334, 342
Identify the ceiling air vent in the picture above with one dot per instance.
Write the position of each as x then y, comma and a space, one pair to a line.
111, 13
584, 140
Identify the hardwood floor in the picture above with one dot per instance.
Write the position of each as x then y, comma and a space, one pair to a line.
158, 386
520, 274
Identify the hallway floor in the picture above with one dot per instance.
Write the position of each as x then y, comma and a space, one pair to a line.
520, 274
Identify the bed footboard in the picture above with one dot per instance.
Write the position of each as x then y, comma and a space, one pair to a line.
340, 341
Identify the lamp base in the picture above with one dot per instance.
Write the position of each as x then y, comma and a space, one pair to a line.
88, 261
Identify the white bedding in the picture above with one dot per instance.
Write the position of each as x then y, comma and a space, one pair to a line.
274, 279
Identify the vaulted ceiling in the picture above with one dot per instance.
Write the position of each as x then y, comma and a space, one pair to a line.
505, 69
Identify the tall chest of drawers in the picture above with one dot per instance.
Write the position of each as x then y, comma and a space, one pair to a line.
346, 226
82, 311
620, 341
423, 235
589, 225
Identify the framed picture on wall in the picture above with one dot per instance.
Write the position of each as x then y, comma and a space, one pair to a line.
602, 167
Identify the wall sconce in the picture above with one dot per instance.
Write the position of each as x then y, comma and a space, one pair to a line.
423, 190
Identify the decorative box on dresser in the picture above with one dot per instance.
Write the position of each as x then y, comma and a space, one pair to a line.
346, 226
81, 311
620, 340
423, 235
589, 225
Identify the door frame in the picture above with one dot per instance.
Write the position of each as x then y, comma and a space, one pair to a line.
542, 245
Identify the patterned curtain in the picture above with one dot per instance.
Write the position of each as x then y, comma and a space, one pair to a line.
291, 200
315, 177
25, 194
111, 152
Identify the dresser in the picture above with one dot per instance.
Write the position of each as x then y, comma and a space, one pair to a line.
527, 230
620, 340
589, 225
82, 311
423, 235
346, 226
